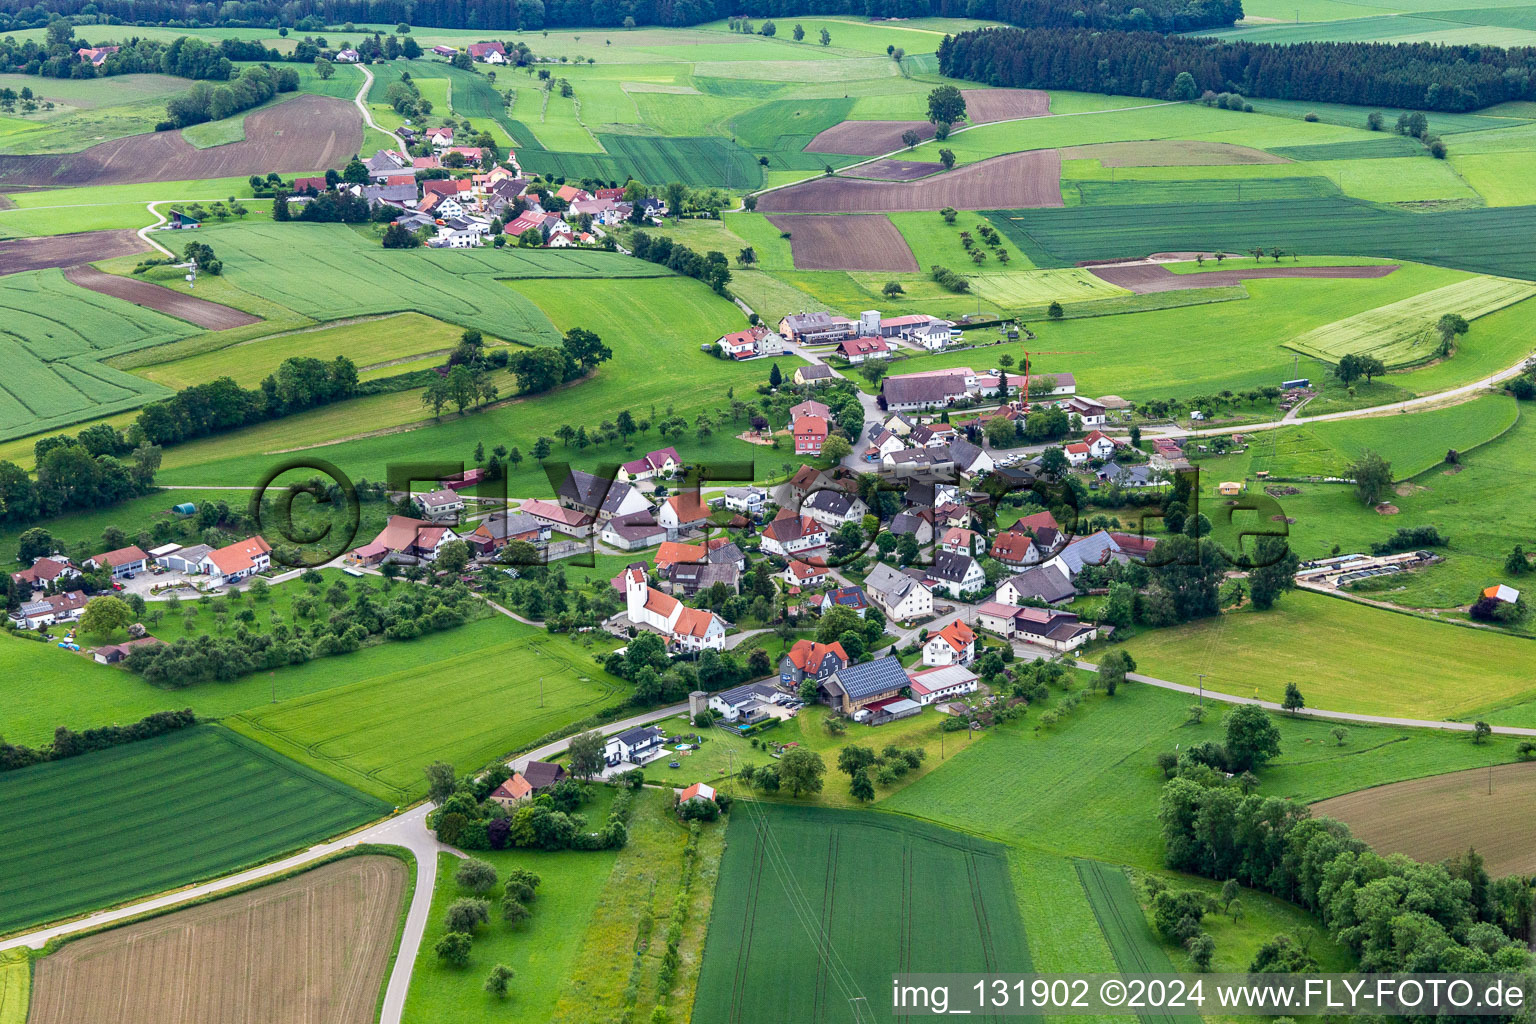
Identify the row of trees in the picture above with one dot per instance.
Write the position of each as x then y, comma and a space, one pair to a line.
712, 268
205, 102
300, 382
1394, 913
1168, 15
96, 468
1413, 75
68, 743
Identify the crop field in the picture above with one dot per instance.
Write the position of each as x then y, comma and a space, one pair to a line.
794, 881
1135, 946
1347, 657
693, 161
21, 254
328, 272
199, 312
983, 105
15, 986
252, 803
1144, 278
869, 242
1169, 153
305, 133
52, 341
374, 345
1404, 332
1439, 817
1077, 192
867, 138
314, 947
87, 111
1486, 241
378, 733
1031, 179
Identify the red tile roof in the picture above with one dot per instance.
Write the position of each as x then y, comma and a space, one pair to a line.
671, 552
239, 556
957, 634
122, 556
807, 655
810, 426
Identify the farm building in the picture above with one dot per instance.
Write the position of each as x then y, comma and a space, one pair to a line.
682, 512
849, 690
235, 562
114, 653
633, 532
122, 561
499, 529
699, 792
560, 519
942, 683
688, 578
600, 497
512, 792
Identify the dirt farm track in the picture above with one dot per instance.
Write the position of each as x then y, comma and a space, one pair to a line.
1439, 817
309, 132
312, 949
209, 315
1018, 180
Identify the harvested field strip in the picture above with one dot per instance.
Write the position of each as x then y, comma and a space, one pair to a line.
1403, 332
1169, 154
792, 938
252, 804
1486, 241
1438, 817
209, 315
1384, 147
867, 138
1142, 278
18, 255
312, 948
869, 242
1031, 179
1125, 927
1207, 190
307, 133
15, 986
983, 105
894, 170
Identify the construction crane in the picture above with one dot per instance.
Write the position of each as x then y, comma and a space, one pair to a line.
1024, 398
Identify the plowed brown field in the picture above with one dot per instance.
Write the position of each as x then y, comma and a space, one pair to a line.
983, 105
1142, 278
893, 170
846, 243
1015, 181
19, 254
309, 950
867, 138
1170, 153
1439, 817
211, 315
307, 133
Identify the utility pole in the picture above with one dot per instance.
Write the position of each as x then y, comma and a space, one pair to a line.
1201, 677
541, 691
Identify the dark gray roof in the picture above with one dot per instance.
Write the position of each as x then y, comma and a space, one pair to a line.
846, 597
948, 565
741, 694
638, 735
636, 526
880, 676
922, 390
907, 522
1046, 582
889, 582
831, 502
963, 451
501, 525
389, 193
593, 491
728, 554
815, 371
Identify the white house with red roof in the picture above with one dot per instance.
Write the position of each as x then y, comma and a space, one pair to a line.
682, 512
791, 535
696, 793
121, 562
96, 56
1077, 454
691, 629
488, 53
440, 137
405, 538
955, 644
941, 683
235, 562
43, 572
810, 434
1100, 445
857, 350
804, 574
663, 462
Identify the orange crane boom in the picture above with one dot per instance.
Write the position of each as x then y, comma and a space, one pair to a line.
1024, 398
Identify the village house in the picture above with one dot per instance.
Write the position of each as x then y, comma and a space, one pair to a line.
955, 644
953, 573
919, 462
810, 659
488, 53
914, 392
122, 562
941, 683
806, 479
833, 508
816, 328
749, 501
805, 575
882, 442
404, 538
859, 350
688, 578
234, 562
933, 435
1052, 628
933, 337
48, 610
44, 572
1050, 583
918, 523
810, 434
635, 746
95, 56
960, 541
814, 375
849, 597
746, 704
682, 512
699, 792
671, 552
660, 464
570, 521
850, 690
511, 792
600, 497
898, 595
791, 535
1100, 445
1132, 477
440, 505
1089, 413
633, 532
499, 529
689, 629
535, 778
1077, 454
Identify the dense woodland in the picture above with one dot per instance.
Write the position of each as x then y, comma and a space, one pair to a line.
308, 15
1422, 76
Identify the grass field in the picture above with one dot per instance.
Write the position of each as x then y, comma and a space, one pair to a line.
1404, 332
478, 699
792, 883
250, 802
1438, 817
329, 933
15, 986
1347, 657
1135, 946
374, 345
87, 111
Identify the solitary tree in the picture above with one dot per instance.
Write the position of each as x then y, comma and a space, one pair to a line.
826, 37
453, 949
910, 138
893, 289
586, 754
1184, 88
1451, 326
800, 771
1372, 475
105, 615
1293, 701
476, 876
947, 158
946, 105
499, 979
1339, 734
1252, 739
1481, 731
466, 914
